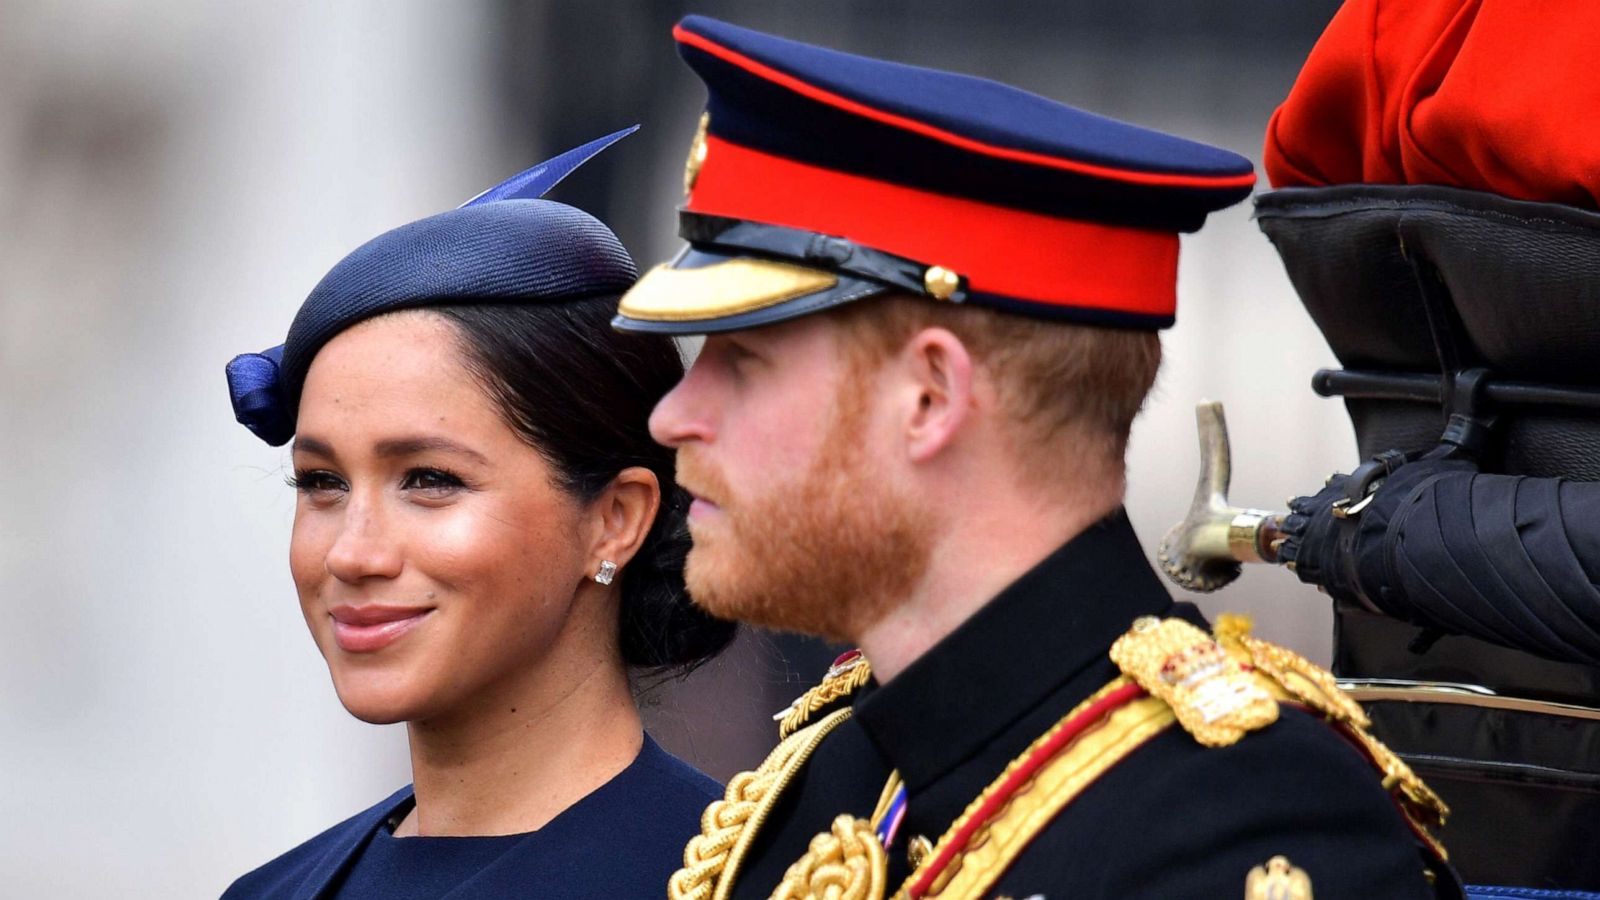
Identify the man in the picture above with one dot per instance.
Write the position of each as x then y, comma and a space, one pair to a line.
931, 303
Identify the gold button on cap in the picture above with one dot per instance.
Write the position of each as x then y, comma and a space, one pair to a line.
941, 283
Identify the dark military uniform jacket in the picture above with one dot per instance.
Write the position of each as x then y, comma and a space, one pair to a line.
1172, 819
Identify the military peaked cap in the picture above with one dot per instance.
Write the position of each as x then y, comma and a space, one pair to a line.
820, 178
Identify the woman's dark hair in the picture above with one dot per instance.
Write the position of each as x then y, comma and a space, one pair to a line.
581, 393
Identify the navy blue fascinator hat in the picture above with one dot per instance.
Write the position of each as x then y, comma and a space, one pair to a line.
504, 245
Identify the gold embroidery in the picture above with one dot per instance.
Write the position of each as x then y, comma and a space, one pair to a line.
1302, 680
1277, 880
1034, 806
741, 285
842, 680
844, 863
1216, 699
697, 155
711, 859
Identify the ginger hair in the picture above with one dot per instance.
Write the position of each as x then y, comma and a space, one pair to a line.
1064, 387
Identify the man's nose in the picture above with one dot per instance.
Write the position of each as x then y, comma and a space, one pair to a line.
680, 416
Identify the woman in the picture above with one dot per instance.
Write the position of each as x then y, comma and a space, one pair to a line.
485, 540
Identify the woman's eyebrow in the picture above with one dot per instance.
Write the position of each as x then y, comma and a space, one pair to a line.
313, 446
412, 445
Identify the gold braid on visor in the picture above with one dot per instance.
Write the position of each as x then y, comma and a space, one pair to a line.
721, 289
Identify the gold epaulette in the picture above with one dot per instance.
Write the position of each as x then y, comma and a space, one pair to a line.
1304, 682
1216, 698
1222, 687
848, 674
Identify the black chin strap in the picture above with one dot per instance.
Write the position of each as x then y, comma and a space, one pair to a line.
808, 248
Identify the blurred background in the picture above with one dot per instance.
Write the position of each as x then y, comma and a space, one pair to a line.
174, 178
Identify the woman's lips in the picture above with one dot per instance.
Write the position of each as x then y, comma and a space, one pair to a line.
365, 629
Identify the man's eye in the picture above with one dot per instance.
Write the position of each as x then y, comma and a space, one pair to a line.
316, 481
433, 480
738, 357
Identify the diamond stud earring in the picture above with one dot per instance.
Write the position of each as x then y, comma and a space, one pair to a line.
608, 571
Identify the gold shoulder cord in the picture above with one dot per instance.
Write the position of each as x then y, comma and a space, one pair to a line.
846, 862
843, 862
712, 858
1297, 679
728, 826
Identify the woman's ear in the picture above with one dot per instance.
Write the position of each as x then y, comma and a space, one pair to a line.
938, 373
624, 512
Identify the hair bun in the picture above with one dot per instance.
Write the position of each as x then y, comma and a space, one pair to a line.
661, 626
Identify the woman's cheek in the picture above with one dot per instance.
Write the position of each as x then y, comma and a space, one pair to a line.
309, 541
455, 546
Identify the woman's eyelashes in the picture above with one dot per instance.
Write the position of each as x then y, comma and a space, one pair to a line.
316, 482
432, 482
428, 482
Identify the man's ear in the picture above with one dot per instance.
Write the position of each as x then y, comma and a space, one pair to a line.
939, 378
624, 512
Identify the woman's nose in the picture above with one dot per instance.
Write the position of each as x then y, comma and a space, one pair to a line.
365, 547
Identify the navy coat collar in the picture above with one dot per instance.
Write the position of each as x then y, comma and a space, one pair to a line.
346, 841
1049, 627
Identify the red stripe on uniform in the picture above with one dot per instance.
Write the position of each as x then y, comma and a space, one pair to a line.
1069, 732
805, 89
999, 250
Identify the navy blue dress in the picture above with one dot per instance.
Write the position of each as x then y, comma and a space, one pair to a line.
624, 840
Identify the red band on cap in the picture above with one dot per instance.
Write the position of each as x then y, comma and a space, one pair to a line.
805, 89
999, 250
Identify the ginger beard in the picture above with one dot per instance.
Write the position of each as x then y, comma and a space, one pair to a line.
827, 554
